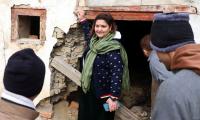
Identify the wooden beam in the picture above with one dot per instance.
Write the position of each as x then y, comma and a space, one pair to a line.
125, 114
145, 8
61, 65
140, 12
120, 15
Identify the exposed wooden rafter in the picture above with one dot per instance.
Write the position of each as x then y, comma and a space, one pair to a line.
143, 12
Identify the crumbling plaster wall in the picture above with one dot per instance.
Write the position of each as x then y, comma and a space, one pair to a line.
59, 14
70, 46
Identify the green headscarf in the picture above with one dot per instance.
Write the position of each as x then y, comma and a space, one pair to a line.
102, 46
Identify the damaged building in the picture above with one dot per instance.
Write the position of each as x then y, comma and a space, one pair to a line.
51, 29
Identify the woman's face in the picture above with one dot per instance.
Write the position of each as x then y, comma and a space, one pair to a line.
101, 28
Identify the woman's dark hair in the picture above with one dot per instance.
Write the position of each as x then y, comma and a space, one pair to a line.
107, 17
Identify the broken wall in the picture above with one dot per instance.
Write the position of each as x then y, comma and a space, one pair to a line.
70, 46
59, 14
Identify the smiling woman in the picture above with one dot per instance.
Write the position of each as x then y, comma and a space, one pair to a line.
101, 28
105, 69
103, 24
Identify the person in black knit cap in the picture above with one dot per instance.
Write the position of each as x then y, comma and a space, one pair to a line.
23, 80
178, 96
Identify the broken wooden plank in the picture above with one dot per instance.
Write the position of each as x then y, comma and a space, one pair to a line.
125, 114
61, 65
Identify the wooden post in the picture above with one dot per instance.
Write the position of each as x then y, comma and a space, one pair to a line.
61, 65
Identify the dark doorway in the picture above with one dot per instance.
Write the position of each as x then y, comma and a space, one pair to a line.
132, 32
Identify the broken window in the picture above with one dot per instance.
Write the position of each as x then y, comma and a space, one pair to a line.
29, 27
28, 23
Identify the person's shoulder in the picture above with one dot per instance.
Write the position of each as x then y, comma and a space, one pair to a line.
183, 78
117, 35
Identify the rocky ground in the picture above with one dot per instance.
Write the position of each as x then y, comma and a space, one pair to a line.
70, 112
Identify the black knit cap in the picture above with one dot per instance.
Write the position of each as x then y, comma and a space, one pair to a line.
24, 73
170, 31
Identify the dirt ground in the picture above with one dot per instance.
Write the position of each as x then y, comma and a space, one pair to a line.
70, 113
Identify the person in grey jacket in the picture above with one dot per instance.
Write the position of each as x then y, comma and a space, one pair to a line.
178, 96
158, 70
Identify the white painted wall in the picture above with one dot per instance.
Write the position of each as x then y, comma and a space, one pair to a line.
132, 2
161, 2
113, 2
195, 23
59, 14
195, 19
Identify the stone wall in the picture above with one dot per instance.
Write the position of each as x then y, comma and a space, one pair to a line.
70, 46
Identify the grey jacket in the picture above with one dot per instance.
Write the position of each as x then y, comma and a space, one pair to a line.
178, 97
158, 70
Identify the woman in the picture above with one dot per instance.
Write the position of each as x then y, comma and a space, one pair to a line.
105, 69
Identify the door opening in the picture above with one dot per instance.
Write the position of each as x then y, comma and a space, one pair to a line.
132, 32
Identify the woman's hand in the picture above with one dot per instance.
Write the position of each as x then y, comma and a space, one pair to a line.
80, 13
113, 105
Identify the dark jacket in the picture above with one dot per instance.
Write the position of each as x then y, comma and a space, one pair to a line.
107, 69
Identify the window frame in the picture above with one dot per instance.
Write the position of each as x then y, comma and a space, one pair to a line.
26, 11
